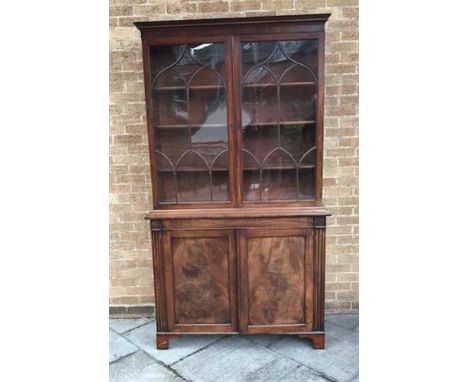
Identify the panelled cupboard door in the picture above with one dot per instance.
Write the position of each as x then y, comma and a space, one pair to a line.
201, 282
275, 280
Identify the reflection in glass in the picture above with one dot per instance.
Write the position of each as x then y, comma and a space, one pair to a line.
279, 96
190, 122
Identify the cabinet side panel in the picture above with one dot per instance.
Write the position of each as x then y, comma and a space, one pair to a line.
201, 280
276, 280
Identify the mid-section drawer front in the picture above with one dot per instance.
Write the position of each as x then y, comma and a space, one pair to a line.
186, 224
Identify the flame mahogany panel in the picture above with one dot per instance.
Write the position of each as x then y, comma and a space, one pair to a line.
276, 278
202, 273
201, 282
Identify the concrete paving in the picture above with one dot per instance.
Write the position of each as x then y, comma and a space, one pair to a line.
133, 355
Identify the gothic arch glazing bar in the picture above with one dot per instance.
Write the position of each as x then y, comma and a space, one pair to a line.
279, 100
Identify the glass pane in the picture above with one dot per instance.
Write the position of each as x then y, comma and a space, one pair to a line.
279, 96
251, 185
259, 99
279, 184
193, 186
190, 122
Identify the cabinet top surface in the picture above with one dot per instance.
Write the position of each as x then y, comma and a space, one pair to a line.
217, 213
315, 18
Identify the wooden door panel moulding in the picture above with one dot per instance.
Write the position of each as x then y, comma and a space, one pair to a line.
243, 303
276, 329
309, 299
198, 328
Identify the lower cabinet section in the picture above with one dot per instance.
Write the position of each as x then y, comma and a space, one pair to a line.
246, 280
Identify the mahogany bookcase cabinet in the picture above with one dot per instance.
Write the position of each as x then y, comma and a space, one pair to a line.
235, 125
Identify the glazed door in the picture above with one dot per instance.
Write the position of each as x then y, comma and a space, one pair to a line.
190, 139
279, 94
201, 282
275, 280
234, 119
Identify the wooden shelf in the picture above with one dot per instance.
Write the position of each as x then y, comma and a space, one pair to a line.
216, 125
284, 123
204, 169
276, 168
209, 125
211, 87
308, 83
198, 87
193, 169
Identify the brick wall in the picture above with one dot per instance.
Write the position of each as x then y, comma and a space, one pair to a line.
130, 255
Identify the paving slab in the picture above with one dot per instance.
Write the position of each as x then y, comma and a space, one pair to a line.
338, 361
155, 373
119, 347
235, 359
335, 333
303, 374
348, 321
264, 339
124, 325
145, 338
129, 366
